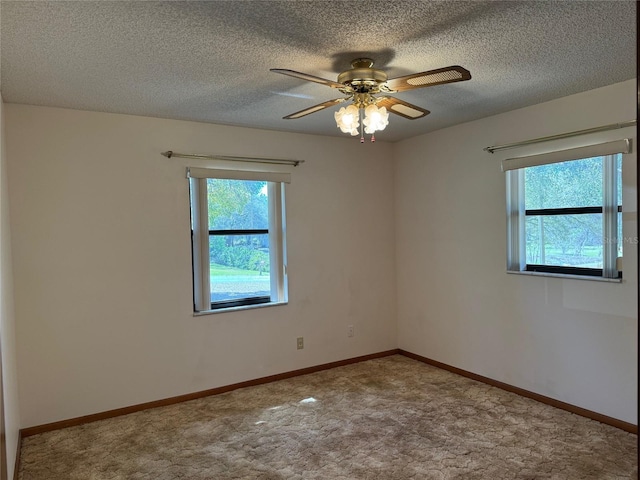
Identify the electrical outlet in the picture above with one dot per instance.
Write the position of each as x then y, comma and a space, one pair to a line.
350, 331
300, 343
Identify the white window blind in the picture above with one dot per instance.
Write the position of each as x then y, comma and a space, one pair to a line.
589, 151
280, 177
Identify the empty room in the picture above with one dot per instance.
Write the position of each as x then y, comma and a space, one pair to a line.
318, 240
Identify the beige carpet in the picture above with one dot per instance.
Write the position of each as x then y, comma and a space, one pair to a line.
385, 419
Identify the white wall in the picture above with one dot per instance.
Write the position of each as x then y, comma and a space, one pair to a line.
572, 340
7, 318
102, 261
102, 277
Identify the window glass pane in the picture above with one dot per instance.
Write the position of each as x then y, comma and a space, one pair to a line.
620, 239
619, 196
577, 183
237, 204
564, 240
619, 174
239, 266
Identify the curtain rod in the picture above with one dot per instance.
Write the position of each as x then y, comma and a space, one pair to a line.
604, 128
277, 161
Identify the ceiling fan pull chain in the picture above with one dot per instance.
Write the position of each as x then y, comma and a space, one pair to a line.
361, 126
373, 138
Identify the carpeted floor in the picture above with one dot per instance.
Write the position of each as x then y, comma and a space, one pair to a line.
387, 419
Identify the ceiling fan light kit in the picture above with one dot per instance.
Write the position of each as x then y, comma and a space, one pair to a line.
362, 83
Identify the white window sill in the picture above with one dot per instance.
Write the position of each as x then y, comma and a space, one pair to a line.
235, 309
564, 275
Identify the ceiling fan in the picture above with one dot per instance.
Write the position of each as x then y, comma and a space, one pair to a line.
362, 83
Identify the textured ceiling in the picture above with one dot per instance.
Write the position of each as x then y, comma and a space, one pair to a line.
210, 61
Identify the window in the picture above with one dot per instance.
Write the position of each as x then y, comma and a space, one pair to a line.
238, 238
564, 211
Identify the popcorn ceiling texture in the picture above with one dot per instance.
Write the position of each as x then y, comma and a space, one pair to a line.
209, 61
388, 419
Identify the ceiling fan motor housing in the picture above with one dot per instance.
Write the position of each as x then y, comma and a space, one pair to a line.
362, 78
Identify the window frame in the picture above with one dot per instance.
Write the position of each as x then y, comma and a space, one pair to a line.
610, 208
201, 235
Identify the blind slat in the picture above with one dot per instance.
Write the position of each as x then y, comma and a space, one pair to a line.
281, 177
589, 151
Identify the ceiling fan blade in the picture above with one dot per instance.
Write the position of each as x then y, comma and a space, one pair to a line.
306, 76
315, 108
402, 108
440, 76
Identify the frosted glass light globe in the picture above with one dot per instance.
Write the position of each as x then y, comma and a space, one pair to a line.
375, 119
347, 119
